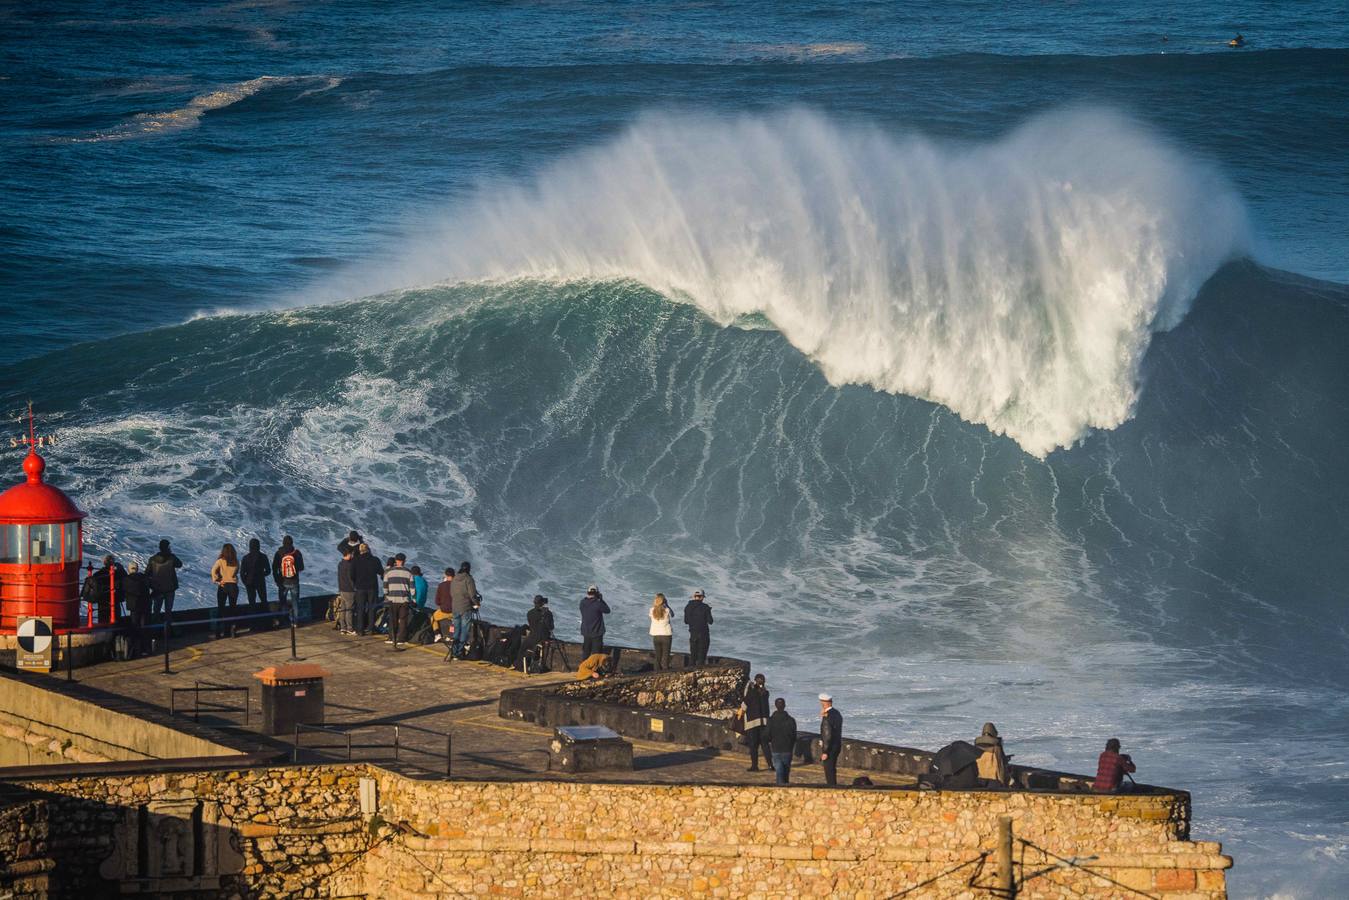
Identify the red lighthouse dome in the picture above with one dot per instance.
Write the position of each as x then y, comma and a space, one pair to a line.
41, 543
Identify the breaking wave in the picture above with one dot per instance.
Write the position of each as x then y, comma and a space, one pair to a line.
1016, 282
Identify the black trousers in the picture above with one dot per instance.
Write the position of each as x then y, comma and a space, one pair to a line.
698, 643
363, 611
758, 740
592, 644
257, 593
398, 622
831, 769
226, 600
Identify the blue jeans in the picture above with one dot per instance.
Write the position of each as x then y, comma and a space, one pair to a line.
461, 631
782, 765
290, 597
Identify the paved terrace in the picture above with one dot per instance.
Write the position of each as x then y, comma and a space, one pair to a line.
413, 685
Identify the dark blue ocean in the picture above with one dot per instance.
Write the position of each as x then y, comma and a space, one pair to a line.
981, 361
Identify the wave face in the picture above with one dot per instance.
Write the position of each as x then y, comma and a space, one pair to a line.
1015, 282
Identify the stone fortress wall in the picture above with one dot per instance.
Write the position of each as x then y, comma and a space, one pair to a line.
358, 830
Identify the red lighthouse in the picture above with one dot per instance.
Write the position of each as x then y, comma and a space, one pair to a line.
41, 542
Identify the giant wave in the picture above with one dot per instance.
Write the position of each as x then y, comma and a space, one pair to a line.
1016, 282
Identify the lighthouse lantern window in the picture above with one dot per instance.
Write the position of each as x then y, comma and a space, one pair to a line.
70, 533
45, 541
13, 544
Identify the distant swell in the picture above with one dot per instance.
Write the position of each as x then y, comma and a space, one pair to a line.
1016, 282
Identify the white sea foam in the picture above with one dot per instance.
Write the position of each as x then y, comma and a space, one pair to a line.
1016, 282
189, 116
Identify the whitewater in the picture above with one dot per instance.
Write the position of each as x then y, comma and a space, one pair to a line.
979, 367
1016, 282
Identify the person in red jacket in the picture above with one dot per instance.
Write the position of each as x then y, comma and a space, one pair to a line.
1111, 768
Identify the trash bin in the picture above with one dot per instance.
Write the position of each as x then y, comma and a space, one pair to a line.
291, 695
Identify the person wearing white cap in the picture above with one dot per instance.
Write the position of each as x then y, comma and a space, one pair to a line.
831, 738
698, 616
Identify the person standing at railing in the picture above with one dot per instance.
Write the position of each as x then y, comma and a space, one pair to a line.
662, 631
698, 616
138, 606
162, 570
831, 738
253, 572
464, 601
99, 587
398, 593
287, 564
442, 620
225, 576
754, 715
365, 572
346, 592
593, 611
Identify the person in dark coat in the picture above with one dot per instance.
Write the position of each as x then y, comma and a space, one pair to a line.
593, 611
539, 629
138, 606
1111, 767
831, 738
101, 585
698, 616
346, 592
366, 570
350, 544
162, 570
781, 740
253, 572
287, 564
754, 713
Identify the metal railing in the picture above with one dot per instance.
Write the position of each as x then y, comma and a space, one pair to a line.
208, 687
345, 731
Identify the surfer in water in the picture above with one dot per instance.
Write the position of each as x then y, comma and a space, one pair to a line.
1237, 41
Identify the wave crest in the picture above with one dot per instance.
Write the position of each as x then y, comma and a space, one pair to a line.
1016, 282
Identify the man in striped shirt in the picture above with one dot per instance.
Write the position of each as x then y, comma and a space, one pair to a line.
398, 594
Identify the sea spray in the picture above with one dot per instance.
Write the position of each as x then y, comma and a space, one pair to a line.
1017, 282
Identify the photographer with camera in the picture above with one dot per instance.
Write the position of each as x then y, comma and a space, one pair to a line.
1111, 768
593, 610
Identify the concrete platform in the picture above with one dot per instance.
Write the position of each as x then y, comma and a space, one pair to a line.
415, 688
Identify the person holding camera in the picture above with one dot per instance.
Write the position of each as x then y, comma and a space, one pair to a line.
1111, 768
662, 631
698, 616
593, 611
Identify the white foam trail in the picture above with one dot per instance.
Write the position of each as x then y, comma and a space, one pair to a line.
1016, 282
189, 116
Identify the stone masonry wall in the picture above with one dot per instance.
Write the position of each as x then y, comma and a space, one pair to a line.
302, 832
547, 839
275, 832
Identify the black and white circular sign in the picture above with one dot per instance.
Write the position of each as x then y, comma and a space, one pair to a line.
35, 636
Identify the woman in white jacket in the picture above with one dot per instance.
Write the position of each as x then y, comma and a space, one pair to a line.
662, 632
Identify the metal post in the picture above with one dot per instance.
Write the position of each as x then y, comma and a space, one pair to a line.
395, 743
295, 754
293, 655
1006, 881
166, 643
448, 752
70, 659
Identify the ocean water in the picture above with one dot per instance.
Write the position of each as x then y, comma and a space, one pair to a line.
981, 362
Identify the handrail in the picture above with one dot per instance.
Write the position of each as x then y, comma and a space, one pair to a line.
209, 687
345, 730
